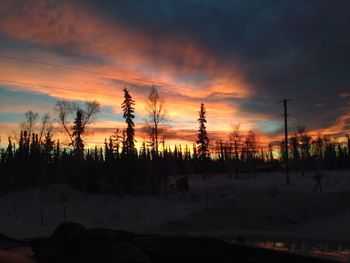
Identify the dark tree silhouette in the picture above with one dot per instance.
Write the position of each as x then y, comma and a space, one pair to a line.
251, 145
117, 139
57, 153
38, 161
294, 144
45, 126
78, 131
305, 146
9, 151
155, 108
235, 138
30, 123
270, 152
48, 147
318, 148
109, 156
203, 139
128, 115
66, 111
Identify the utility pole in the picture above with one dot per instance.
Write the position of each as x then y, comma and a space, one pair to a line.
285, 101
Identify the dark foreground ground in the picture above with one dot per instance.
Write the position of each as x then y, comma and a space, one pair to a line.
264, 211
71, 242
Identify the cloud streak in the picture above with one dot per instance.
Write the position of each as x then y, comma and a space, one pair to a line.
238, 58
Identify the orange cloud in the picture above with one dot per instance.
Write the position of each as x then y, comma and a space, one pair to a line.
109, 56
128, 51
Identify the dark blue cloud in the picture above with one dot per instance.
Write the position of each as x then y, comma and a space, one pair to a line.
297, 49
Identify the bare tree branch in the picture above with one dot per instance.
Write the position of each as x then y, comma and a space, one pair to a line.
63, 110
65, 113
30, 122
45, 121
155, 107
90, 111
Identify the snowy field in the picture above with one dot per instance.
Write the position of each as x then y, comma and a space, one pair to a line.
218, 206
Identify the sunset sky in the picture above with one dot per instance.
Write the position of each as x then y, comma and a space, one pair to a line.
238, 57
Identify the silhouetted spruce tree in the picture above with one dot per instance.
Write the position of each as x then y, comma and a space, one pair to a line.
33, 168
294, 154
57, 154
195, 155
143, 150
9, 151
117, 140
128, 115
96, 154
203, 140
25, 145
270, 154
78, 131
127, 169
251, 144
48, 147
20, 151
330, 152
109, 150
101, 155
235, 138
34, 146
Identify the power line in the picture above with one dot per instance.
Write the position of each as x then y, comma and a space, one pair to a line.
28, 84
131, 80
54, 65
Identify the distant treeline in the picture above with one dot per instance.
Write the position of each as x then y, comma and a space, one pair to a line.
35, 159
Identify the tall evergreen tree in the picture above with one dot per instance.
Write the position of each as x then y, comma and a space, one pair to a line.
57, 154
78, 131
9, 150
203, 139
117, 138
109, 149
34, 146
48, 147
128, 115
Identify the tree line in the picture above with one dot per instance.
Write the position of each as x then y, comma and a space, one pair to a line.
34, 158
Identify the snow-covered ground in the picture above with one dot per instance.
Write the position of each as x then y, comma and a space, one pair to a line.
267, 206
218, 206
